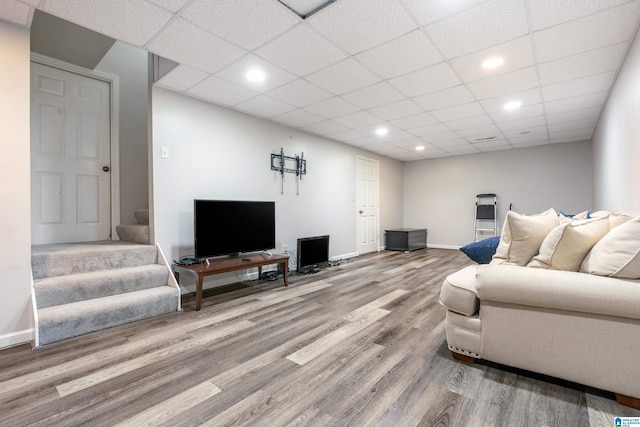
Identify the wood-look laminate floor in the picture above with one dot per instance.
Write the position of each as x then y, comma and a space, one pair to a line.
360, 344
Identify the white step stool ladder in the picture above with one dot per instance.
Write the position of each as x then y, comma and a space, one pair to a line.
485, 218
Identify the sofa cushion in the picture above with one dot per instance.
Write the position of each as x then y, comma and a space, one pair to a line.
481, 251
522, 236
566, 245
617, 254
458, 291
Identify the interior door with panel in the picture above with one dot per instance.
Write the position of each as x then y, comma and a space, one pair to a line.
70, 157
368, 205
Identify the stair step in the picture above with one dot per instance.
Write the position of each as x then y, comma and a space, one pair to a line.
59, 290
60, 322
142, 216
135, 233
74, 258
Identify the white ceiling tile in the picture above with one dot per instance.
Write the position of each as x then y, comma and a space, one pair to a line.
584, 64
348, 135
530, 140
171, 5
263, 106
301, 51
304, 7
426, 12
451, 143
571, 135
577, 103
518, 114
418, 120
403, 55
583, 86
445, 98
182, 78
522, 124
237, 73
568, 116
343, 77
409, 142
490, 23
373, 96
396, 135
220, 91
363, 141
15, 11
459, 112
520, 133
358, 120
357, 25
469, 122
429, 130
396, 110
527, 97
547, 13
516, 53
331, 108
482, 131
442, 138
246, 23
298, 118
299, 93
427, 80
573, 125
131, 21
493, 145
605, 28
187, 44
461, 149
324, 128
515, 81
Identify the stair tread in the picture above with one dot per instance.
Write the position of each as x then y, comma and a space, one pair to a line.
90, 274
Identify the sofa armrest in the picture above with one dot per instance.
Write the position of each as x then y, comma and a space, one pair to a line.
561, 290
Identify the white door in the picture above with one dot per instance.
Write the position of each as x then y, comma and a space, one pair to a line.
368, 206
70, 157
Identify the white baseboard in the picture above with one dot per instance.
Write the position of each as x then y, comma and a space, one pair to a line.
344, 256
452, 247
16, 338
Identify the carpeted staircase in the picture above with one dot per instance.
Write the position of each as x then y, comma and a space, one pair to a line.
137, 233
85, 287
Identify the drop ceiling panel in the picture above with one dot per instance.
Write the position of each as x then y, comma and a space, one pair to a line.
331, 108
518, 114
298, 118
403, 55
576, 103
245, 23
171, 5
469, 122
573, 125
396, 110
515, 81
490, 23
459, 112
373, 96
441, 138
304, 7
583, 86
15, 11
522, 124
426, 12
348, 135
299, 93
534, 130
415, 121
187, 44
357, 25
358, 120
445, 98
343, 77
429, 130
427, 80
566, 116
594, 31
131, 21
221, 91
481, 132
547, 13
325, 127
263, 106
301, 51
237, 73
182, 78
527, 97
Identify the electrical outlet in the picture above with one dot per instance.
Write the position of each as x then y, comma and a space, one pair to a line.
285, 249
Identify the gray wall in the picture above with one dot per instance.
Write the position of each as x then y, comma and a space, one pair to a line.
130, 65
616, 143
439, 194
217, 153
15, 217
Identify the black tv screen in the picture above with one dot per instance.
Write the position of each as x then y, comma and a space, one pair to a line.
230, 227
313, 252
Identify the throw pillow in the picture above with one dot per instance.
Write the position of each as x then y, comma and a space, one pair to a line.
566, 246
617, 254
522, 236
481, 251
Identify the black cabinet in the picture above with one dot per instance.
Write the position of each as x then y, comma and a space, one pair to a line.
406, 239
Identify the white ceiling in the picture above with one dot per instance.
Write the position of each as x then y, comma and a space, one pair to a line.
412, 66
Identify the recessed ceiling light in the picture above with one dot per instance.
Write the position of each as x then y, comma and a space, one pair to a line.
419, 147
382, 131
493, 62
512, 105
256, 75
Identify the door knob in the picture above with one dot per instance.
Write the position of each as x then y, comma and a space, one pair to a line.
105, 168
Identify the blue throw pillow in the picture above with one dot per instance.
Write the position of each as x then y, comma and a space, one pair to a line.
482, 251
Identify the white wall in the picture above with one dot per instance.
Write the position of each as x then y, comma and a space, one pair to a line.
218, 153
15, 220
439, 194
130, 65
616, 142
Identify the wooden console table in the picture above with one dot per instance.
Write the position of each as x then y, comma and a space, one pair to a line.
225, 265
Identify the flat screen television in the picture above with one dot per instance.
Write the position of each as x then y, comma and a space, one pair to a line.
313, 253
231, 227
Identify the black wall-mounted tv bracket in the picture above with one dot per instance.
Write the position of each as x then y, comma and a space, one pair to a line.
298, 165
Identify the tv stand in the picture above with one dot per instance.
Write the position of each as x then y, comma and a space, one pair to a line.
225, 265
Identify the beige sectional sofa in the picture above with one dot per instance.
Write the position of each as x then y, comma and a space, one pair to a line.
564, 302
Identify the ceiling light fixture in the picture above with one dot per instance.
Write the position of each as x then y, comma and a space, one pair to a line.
382, 131
419, 147
513, 105
256, 76
493, 63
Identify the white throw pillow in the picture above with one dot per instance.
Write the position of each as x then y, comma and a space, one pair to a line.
522, 236
617, 254
566, 246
